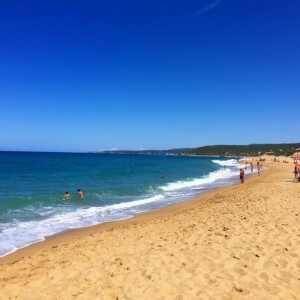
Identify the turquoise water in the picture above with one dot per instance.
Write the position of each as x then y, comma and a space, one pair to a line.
115, 187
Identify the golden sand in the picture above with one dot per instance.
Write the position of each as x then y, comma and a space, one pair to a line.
237, 242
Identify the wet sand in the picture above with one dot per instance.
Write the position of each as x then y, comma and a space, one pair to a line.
236, 242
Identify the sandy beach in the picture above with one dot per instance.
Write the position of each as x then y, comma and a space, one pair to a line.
236, 242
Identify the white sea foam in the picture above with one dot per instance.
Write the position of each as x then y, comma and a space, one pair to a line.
226, 163
199, 182
18, 234
235, 166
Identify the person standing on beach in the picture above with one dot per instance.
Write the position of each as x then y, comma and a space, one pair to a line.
251, 166
242, 174
296, 174
80, 193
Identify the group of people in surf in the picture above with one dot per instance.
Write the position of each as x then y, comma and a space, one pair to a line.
242, 171
69, 196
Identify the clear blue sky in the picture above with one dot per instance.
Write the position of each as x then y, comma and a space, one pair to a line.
136, 74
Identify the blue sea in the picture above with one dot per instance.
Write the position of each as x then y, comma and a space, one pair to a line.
32, 186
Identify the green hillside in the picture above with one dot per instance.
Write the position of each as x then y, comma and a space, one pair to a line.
246, 150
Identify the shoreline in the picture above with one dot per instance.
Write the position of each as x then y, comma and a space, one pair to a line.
234, 242
76, 233
50, 239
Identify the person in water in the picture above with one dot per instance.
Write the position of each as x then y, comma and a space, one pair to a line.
67, 195
80, 193
242, 174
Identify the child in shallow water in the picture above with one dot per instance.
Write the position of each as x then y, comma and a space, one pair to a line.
242, 174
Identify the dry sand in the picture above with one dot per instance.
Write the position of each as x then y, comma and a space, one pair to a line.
237, 242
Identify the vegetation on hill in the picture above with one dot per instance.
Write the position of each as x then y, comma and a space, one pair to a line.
221, 150
246, 150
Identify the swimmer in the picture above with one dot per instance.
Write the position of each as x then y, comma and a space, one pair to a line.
80, 193
67, 195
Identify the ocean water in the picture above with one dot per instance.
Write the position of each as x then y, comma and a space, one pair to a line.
115, 187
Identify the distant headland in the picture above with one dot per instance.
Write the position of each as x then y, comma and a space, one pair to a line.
222, 150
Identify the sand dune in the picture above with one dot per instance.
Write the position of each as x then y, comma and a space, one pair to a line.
238, 242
